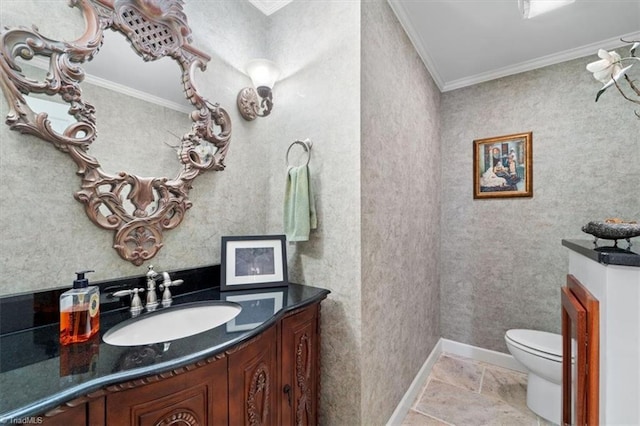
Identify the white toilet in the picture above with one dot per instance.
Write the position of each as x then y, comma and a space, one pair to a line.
541, 353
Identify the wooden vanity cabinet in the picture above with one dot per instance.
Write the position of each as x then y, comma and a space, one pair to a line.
193, 398
274, 381
271, 379
253, 381
300, 373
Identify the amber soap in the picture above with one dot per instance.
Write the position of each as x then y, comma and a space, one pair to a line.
79, 311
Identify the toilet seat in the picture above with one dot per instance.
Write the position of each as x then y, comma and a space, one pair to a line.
540, 343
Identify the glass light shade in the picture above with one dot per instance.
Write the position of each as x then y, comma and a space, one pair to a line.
531, 8
263, 73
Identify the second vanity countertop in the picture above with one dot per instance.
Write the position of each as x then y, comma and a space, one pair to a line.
37, 374
605, 254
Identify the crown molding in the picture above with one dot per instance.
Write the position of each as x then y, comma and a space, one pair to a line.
269, 6
556, 58
409, 30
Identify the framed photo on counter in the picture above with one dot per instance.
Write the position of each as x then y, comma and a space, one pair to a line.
249, 262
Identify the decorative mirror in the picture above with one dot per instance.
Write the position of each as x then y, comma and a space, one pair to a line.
137, 209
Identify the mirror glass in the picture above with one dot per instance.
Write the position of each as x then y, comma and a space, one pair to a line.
56, 109
140, 108
139, 102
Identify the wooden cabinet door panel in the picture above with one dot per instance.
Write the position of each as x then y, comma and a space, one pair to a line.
300, 368
187, 407
580, 355
253, 382
197, 397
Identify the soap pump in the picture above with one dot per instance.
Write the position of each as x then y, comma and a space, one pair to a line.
79, 311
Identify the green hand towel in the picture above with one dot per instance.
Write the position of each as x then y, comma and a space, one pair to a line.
299, 206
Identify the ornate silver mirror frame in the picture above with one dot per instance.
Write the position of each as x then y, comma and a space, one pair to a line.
138, 209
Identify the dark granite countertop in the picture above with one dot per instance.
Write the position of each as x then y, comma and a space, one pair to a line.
605, 254
37, 374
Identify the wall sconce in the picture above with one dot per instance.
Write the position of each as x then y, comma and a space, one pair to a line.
531, 8
258, 102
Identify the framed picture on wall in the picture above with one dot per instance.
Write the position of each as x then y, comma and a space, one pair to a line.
503, 166
253, 262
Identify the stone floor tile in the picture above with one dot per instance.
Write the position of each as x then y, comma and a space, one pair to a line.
507, 385
461, 372
463, 407
418, 419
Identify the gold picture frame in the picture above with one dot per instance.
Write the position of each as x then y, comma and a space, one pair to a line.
503, 166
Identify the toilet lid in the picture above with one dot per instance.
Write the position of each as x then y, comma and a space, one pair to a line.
542, 341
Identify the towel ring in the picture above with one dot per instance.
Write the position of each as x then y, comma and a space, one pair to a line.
306, 144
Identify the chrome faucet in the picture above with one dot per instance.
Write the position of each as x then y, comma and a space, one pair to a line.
152, 297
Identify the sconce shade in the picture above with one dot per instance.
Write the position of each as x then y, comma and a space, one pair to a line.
263, 73
531, 8
257, 101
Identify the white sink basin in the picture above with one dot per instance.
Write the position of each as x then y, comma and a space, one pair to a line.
172, 323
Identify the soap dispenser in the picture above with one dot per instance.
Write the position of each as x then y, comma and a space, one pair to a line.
79, 311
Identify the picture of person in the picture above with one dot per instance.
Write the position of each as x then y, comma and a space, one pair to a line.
496, 156
512, 168
503, 166
501, 172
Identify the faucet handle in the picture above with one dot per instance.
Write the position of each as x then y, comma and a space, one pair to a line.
136, 303
167, 284
166, 294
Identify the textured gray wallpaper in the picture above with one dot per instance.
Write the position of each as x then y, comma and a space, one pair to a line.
502, 262
400, 212
317, 44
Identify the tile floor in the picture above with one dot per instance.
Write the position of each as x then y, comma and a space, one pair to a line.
460, 392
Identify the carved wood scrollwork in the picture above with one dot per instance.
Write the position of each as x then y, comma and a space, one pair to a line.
155, 29
303, 378
258, 398
180, 417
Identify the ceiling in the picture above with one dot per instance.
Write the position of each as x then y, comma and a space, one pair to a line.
461, 42
465, 42
269, 6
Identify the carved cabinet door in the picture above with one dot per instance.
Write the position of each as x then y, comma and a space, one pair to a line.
300, 346
253, 381
196, 397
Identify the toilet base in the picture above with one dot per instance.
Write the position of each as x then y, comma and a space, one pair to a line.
544, 398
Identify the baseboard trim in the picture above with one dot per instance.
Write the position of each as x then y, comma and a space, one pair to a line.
411, 394
484, 355
454, 348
